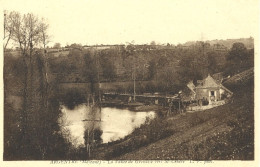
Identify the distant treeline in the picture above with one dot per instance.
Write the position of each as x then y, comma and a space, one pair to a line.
169, 68
166, 66
228, 43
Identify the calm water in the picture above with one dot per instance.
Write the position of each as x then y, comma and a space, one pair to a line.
115, 123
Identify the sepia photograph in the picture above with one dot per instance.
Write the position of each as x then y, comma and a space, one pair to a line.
115, 80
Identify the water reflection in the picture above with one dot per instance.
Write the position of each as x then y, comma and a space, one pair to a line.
115, 123
118, 123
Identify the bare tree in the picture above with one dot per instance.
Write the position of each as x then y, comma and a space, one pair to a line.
28, 31
8, 27
44, 37
7, 31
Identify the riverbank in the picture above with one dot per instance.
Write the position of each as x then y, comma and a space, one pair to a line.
136, 106
221, 133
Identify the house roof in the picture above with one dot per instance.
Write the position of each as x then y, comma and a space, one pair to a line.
199, 81
187, 94
226, 89
218, 77
191, 86
208, 82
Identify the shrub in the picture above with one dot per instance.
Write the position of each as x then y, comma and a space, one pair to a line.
72, 98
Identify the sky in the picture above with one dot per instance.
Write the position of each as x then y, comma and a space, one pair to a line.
142, 21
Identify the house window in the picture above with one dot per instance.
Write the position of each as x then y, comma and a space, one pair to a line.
212, 93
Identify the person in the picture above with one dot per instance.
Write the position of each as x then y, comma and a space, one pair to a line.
170, 107
184, 106
200, 102
130, 99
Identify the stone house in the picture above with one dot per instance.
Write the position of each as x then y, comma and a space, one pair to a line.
208, 89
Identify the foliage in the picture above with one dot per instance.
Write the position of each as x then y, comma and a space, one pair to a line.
27, 31
238, 52
91, 69
33, 134
212, 66
107, 65
72, 98
152, 69
170, 68
57, 46
239, 58
34, 123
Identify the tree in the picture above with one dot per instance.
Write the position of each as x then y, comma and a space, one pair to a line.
212, 64
44, 37
193, 64
8, 28
151, 69
167, 79
238, 52
36, 134
76, 46
153, 43
91, 69
28, 31
57, 46
107, 65
163, 61
236, 57
130, 52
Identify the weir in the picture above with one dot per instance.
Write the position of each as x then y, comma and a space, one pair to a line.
145, 98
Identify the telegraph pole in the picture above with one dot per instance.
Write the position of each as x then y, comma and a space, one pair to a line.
134, 79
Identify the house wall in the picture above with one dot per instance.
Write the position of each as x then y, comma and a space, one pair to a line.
205, 92
221, 92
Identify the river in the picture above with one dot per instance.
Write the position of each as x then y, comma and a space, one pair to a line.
115, 123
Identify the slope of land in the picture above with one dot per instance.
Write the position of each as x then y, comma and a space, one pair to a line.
249, 42
225, 132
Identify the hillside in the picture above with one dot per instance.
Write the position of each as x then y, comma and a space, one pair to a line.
241, 79
221, 133
248, 42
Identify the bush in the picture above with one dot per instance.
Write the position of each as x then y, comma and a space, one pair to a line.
72, 98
